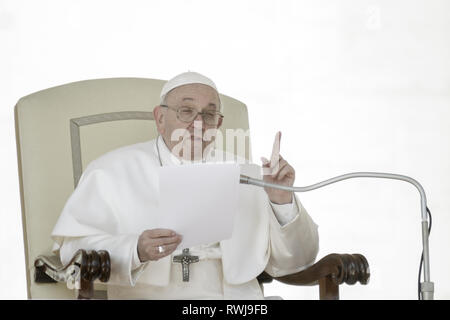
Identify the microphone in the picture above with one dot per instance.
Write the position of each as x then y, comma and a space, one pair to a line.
426, 287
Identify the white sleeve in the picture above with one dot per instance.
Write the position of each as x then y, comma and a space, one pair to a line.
293, 246
136, 263
285, 213
121, 248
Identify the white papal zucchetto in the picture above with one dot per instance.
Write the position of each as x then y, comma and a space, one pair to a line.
186, 78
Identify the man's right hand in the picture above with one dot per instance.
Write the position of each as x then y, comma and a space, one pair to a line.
150, 241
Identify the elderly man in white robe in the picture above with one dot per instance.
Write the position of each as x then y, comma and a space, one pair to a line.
117, 192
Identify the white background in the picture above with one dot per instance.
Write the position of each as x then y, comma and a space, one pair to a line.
353, 86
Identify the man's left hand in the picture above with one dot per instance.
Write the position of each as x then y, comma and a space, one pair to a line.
278, 171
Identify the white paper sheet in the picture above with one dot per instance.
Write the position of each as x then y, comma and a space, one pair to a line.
199, 201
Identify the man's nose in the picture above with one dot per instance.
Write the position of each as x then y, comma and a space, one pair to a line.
197, 122
199, 117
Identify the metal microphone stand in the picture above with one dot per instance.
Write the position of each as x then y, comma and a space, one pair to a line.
427, 287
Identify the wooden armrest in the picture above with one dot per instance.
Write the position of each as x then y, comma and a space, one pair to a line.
87, 265
331, 271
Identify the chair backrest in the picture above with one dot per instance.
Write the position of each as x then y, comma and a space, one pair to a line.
61, 129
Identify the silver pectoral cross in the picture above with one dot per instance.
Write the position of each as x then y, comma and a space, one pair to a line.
185, 259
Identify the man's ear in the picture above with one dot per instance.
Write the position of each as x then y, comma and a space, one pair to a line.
159, 116
220, 122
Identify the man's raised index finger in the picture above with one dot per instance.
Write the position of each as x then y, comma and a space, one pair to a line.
275, 157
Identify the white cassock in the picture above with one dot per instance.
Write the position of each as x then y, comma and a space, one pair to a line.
113, 203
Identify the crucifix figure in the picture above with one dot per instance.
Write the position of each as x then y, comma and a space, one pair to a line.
185, 259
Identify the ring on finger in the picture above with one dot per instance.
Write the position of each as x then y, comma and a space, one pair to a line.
160, 249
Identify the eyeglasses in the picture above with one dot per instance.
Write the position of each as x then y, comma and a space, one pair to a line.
188, 114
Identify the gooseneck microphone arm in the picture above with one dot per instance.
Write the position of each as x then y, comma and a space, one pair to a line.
427, 287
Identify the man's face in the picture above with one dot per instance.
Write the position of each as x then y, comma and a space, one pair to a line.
188, 139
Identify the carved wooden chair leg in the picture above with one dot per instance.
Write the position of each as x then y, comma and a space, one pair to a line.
86, 291
328, 290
